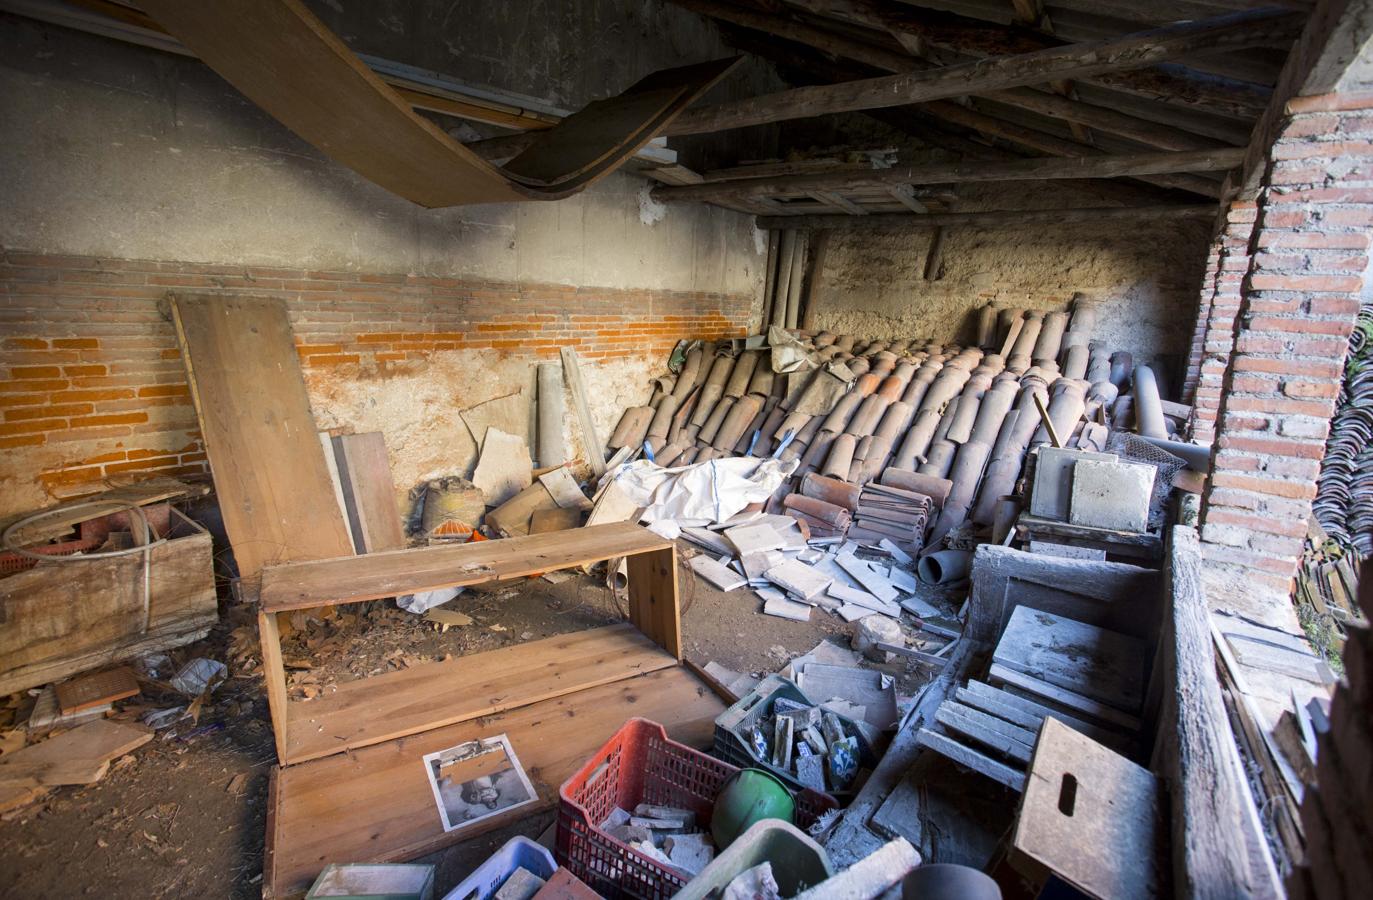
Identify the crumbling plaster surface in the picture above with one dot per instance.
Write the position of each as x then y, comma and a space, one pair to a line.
119, 151
419, 411
1146, 276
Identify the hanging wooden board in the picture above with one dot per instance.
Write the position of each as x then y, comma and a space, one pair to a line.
269, 469
284, 59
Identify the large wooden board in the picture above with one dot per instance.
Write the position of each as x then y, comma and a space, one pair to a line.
1094, 662
369, 492
269, 469
58, 619
372, 710
288, 62
347, 580
375, 804
1092, 817
79, 756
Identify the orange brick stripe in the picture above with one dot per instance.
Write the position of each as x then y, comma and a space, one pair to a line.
92, 383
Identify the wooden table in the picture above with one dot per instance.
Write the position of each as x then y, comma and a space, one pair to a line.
351, 786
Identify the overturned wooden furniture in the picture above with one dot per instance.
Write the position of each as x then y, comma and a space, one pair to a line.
351, 786
61, 618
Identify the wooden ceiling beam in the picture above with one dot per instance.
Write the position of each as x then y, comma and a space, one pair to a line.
1009, 218
978, 33
1078, 60
1085, 115
1056, 146
1051, 169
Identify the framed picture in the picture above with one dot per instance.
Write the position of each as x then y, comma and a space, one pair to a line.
477, 780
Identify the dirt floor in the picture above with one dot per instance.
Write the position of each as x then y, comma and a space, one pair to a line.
184, 815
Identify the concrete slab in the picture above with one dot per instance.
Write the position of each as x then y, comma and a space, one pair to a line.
1053, 484
1111, 495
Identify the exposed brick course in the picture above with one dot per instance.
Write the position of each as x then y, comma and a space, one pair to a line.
92, 384
1307, 256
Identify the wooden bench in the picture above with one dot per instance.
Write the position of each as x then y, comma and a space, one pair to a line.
351, 786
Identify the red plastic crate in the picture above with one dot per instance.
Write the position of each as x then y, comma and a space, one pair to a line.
641, 764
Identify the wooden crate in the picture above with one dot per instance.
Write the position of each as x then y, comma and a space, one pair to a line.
61, 618
351, 786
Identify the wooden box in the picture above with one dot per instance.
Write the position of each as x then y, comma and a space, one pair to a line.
61, 618
352, 786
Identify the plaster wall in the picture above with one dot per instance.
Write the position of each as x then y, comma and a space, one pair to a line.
126, 173
1144, 275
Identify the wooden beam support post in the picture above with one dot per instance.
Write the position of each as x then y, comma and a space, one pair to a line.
959, 172
1142, 49
1002, 218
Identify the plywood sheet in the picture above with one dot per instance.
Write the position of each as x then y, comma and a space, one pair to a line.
372, 710
269, 468
1091, 816
369, 491
1087, 660
375, 804
346, 580
78, 756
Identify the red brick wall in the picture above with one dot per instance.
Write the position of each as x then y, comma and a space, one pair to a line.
1214, 339
92, 386
1299, 298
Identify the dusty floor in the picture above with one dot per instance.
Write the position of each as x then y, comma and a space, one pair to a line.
176, 819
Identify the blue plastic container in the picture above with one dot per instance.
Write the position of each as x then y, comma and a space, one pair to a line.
518, 852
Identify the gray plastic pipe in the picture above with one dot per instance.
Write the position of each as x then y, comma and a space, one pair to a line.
1148, 406
945, 566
